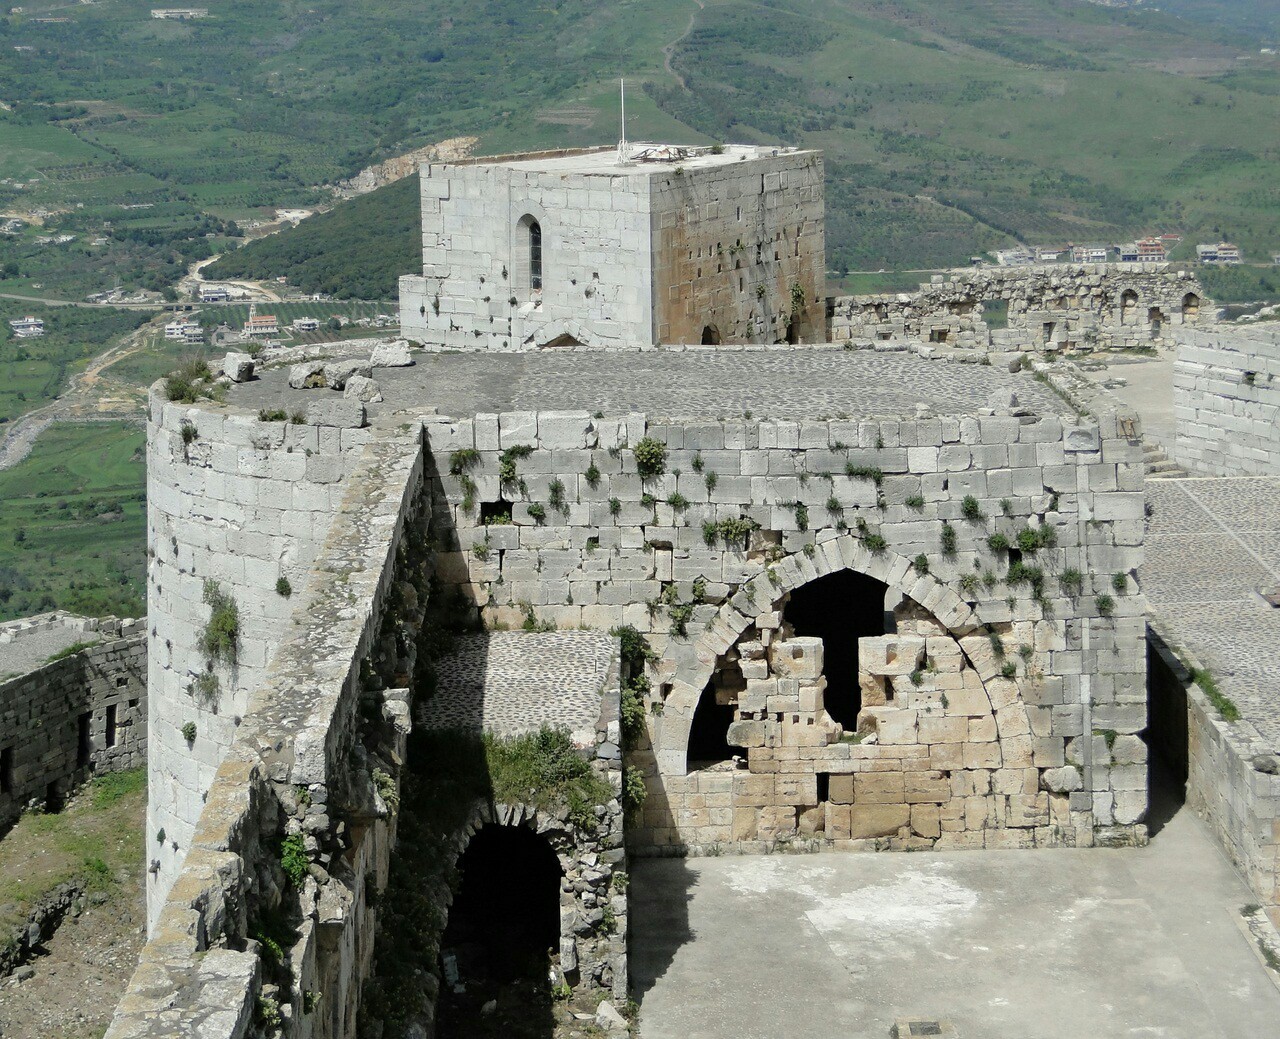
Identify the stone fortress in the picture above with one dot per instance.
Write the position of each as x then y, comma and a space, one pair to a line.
888, 581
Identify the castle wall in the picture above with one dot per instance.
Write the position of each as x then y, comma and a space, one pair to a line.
1070, 308
324, 720
242, 503
591, 543
740, 249
77, 717
474, 293
1226, 400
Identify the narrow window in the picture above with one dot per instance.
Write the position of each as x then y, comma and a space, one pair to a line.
85, 745
6, 770
535, 256
111, 725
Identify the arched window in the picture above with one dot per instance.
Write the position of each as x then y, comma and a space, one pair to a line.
535, 256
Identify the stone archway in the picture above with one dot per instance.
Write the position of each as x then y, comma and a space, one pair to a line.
944, 754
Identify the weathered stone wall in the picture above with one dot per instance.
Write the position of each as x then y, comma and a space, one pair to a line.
315, 751
592, 543
1070, 308
740, 251
242, 503
68, 720
1226, 399
631, 256
1233, 779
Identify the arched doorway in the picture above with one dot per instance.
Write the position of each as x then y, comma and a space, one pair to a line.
709, 730
1190, 307
839, 608
1128, 307
710, 335
505, 918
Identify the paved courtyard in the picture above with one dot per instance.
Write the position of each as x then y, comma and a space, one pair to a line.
779, 384
1088, 944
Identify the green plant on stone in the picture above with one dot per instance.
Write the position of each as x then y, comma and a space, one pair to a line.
700, 589
298, 417
651, 457
1120, 583
916, 501
189, 732
508, 470
592, 476
969, 585
920, 564
538, 512
634, 791
266, 1012
875, 543
678, 502
220, 639
948, 540
997, 645
998, 543
556, 496
710, 480
387, 789
834, 507
293, 858
189, 432
463, 460
802, 515
697, 462
283, 587
1006, 507
276, 415
1105, 605
970, 509
1222, 703
1071, 580
864, 472
648, 500
615, 507
1009, 669
917, 678
206, 687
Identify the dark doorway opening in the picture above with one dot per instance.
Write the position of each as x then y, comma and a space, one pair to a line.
1167, 736
505, 921
84, 741
709, 730
839, 608
495, 511
710, 335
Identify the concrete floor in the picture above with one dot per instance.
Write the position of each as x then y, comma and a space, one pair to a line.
1146, 385
1050, 944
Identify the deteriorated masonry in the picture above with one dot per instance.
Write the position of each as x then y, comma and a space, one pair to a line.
68, 719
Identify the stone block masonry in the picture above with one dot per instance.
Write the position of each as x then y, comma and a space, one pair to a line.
1226, 400
1061, 308
66, 721
573, 249
993, 538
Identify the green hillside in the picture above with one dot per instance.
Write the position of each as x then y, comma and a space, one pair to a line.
947, 127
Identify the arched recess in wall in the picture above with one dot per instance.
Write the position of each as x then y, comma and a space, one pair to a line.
765, 595
1190, 307
1128, 307
529, 253
710, 335
506, 913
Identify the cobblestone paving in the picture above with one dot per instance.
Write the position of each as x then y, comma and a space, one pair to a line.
1212, 546
791, 383
511, 682
29, 649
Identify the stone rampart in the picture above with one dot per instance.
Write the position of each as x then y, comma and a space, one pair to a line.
235, 505
1068, 308
270, 920
553, 521
1226, 399
68, 719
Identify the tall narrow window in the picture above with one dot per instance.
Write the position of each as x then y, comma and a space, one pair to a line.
535, 256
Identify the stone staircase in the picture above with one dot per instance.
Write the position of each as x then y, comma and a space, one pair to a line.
1159, 465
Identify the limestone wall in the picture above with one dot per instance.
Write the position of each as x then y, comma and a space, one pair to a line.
474, 292
740, 251
1232, 780
329, 715
1226, 399
1070, 308
241, 503
80, 716
590, 542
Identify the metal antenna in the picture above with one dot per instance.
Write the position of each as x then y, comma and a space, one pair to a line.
624, 155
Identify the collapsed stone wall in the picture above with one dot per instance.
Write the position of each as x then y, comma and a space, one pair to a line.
702, 556
1067, 308
73, 718
1226, 401
1233, 778
244, 504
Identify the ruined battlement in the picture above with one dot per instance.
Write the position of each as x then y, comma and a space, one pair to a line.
1057, 308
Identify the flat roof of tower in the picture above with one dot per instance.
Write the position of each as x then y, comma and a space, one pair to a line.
645, 159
